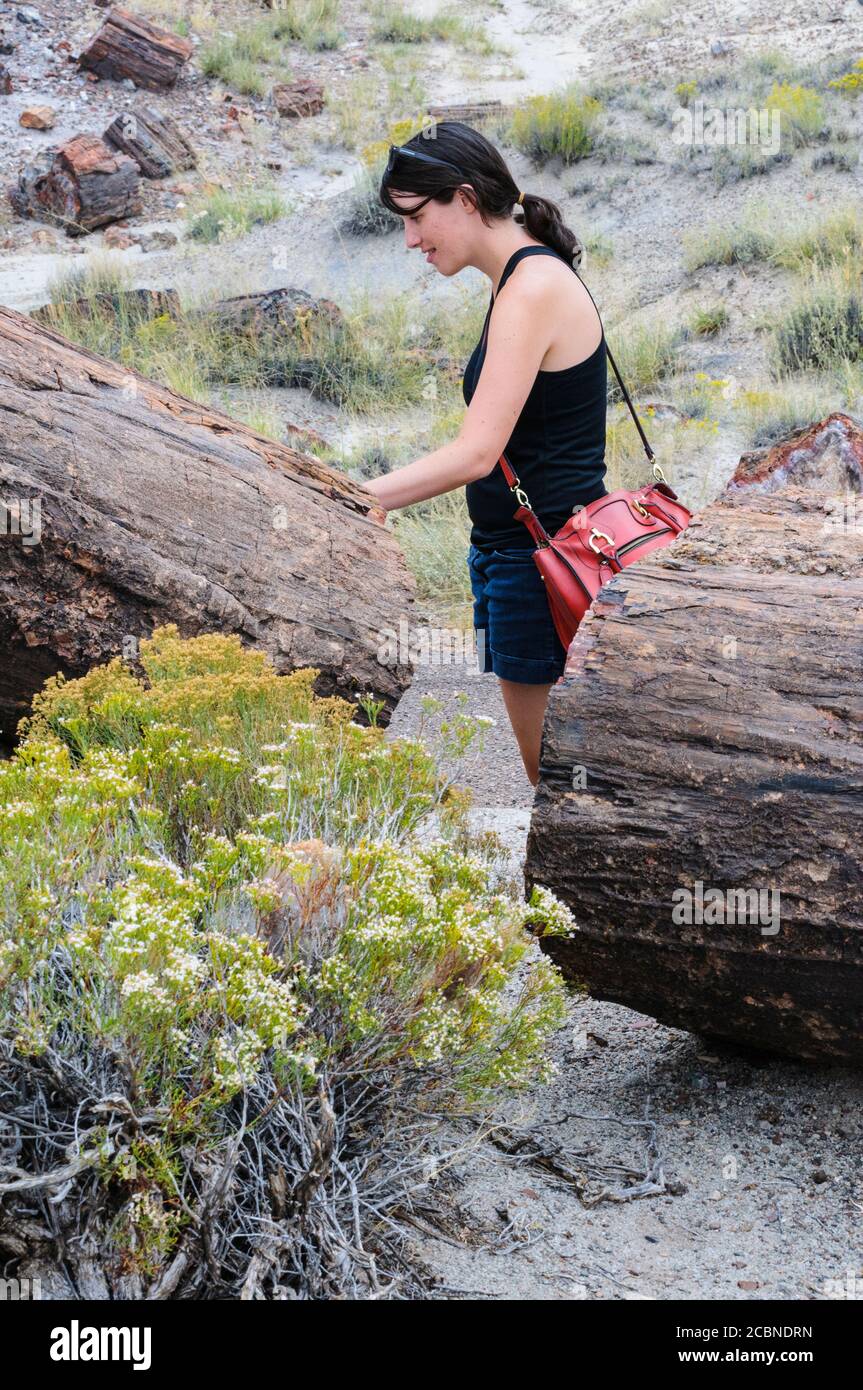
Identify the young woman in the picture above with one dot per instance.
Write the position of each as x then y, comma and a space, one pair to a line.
535, 387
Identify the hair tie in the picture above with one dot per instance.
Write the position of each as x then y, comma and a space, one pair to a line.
520, 198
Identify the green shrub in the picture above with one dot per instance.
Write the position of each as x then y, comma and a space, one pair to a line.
707, 322
844, 160
560, 125
434, 536
258, 54
729, 165
644, 355
247, 61
721, 245
363, 361
823, 326
851, 82
394, 25
227, 213
598, 249
224, 948
698, 398
313, 23
836, 239
801, 111
367, 215
101, 274
768, 414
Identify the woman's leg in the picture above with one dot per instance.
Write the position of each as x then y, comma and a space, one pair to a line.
525, 705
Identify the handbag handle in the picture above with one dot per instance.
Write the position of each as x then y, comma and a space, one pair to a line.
651, 457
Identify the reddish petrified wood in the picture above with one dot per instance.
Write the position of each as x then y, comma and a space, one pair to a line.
829, 453
129, 46
708, 730
82, 185
301, 98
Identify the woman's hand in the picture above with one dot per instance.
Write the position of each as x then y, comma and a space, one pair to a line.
378, 514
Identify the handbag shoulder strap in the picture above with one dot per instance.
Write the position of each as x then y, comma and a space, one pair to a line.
626, 397
638, 424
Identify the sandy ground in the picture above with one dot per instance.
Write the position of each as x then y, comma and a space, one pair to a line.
756, 1159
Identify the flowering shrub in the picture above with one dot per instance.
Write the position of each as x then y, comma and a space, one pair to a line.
850, 81
801, 111
561, 124
230, 967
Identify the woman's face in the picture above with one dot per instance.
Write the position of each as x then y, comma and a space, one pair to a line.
439, 230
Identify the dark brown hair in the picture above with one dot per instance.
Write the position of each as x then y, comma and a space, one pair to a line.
473, 160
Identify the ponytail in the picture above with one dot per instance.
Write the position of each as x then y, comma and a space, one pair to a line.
542, 220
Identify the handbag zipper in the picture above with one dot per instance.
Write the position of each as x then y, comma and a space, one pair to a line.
641, 540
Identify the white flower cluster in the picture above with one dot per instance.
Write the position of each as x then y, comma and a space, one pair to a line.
144, 991
107, 773
236, 1059
182, 969
268, 820
219, 755
15, 810
146, 927
437, 1028
269, 1005
275, 776
546, 909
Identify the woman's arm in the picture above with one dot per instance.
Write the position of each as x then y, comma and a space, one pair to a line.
518, 338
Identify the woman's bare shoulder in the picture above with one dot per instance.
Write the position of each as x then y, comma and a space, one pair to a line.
558, 294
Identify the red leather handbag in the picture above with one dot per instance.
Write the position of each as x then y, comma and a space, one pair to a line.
601, 538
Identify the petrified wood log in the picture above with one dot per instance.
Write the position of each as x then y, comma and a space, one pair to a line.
706, 742
138, 507
300, 98
129, 46
81, 185
270, 320
469, 111
158, 145
133, 306
273, 311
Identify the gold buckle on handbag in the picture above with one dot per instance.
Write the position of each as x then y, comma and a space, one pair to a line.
600, 535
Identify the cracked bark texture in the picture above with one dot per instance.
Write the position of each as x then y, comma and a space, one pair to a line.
155, 509
708, 729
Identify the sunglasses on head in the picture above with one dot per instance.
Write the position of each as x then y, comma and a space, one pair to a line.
417, 154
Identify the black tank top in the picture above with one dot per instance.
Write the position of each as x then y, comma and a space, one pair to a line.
557, 446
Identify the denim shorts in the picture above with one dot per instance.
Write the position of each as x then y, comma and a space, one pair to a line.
515, 633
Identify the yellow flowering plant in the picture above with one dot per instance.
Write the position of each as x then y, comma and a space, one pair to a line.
223, 931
